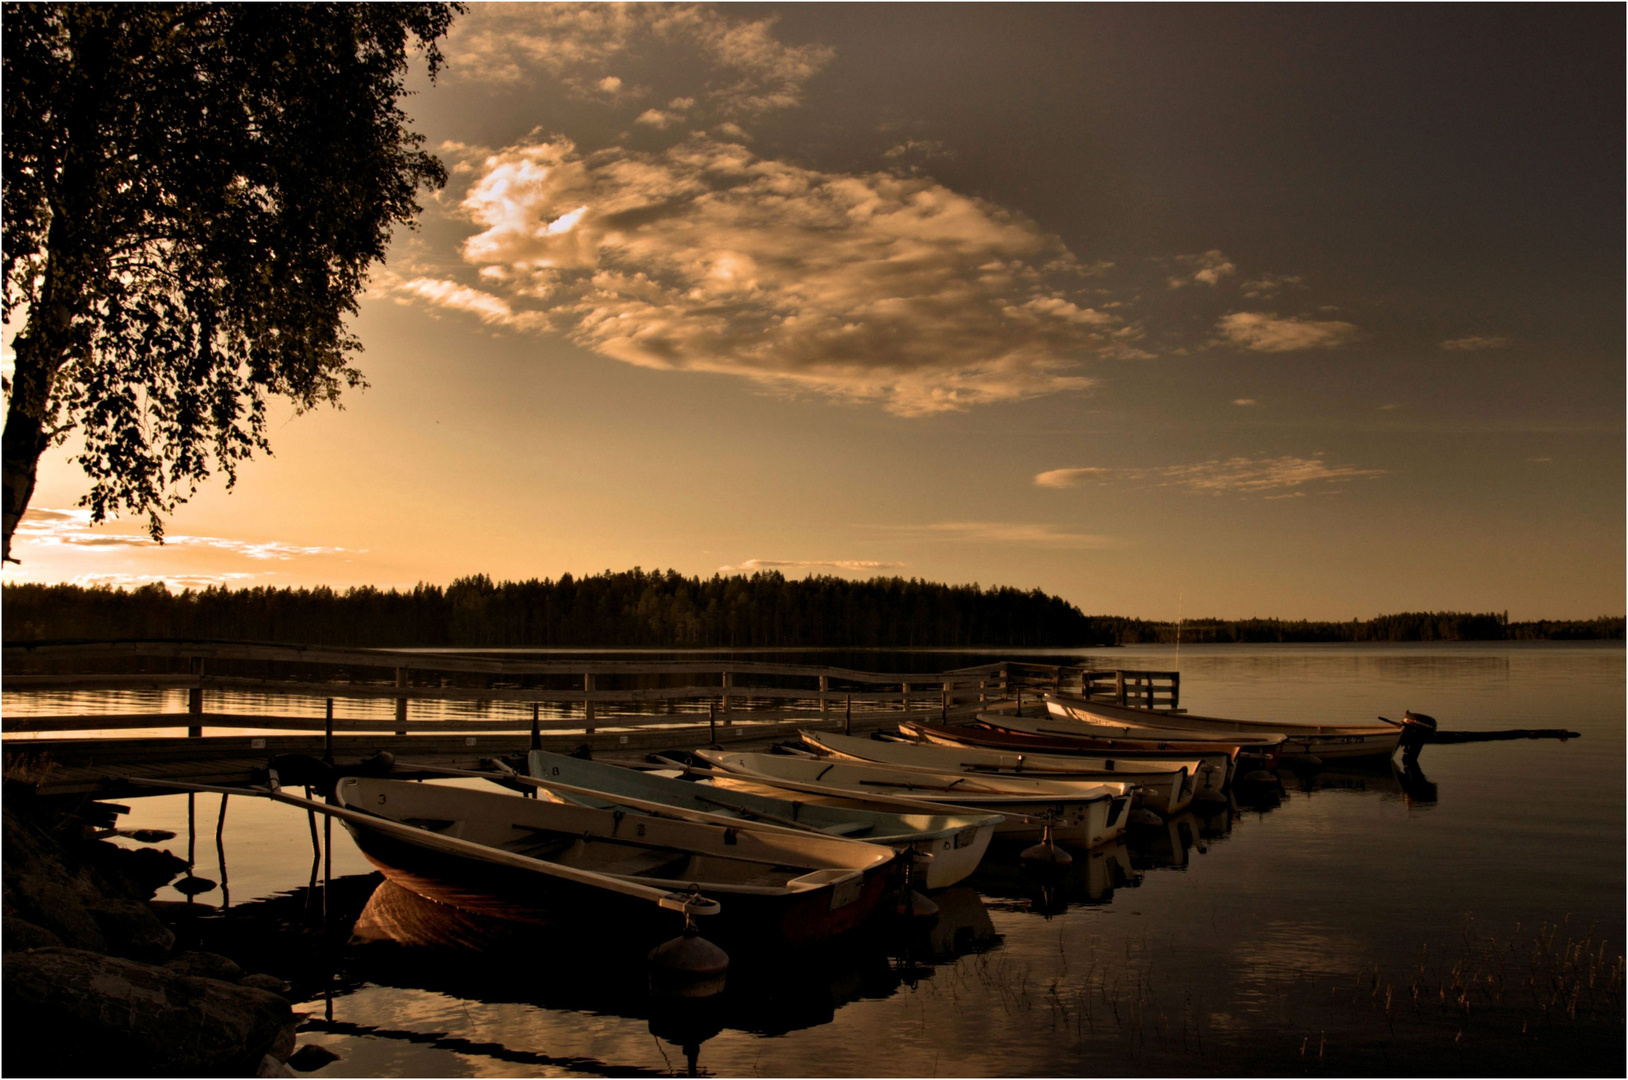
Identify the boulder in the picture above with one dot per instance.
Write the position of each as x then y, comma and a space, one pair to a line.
74, 1013
19, 935
206, 965
63, 890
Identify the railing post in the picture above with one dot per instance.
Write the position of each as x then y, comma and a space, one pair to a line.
401, 702
1119, 686
946, 701
195, 697
825, 684
588, 704
728, 681
1175, 690
848, 716
328, 735
904, 699
712, 722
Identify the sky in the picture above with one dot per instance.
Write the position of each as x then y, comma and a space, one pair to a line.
1277, 311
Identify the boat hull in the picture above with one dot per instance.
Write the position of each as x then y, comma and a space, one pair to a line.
1087, 815
945, 847
832, 900
1325, 741
1165, 789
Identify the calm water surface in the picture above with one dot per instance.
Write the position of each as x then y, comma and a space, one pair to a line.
1468, 919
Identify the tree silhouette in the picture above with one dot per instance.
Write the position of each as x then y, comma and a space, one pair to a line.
193, 194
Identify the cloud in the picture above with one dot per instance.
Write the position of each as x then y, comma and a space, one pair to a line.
1267, 286
921, 149
751, 566
1477, 342
998, 532
705, 257
135, 581
1266, 332
1246, 402
45, 527
733, 67
1067, 478
490, 309
1206, 269
1246, 475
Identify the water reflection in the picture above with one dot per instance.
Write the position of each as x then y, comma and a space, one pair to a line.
1089, 880
403, 941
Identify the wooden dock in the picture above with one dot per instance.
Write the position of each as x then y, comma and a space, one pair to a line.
624, 708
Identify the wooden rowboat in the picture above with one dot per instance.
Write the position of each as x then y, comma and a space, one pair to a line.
1166, 787
1039, 751
532, 860
1263, 748
947, 846
1328, 742
1077, 811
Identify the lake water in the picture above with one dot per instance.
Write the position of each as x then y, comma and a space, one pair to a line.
1466, 919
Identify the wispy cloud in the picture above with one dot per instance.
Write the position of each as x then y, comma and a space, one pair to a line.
999, 532
1477, 342
182, 581
1267, 332
1268, 286
705, 257
1072, 477
1246, 402
490, 309
48, 527
1206, 269
1245, 475
624, 54
750, 566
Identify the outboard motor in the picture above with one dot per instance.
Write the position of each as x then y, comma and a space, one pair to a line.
1417, 729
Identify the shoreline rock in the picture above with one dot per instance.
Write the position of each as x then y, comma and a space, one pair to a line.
93, 984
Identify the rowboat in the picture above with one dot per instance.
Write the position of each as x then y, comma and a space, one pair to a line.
1214, 770
1266, 748
1325, 741
1166, 787
532, 860
947, 847
1076, 811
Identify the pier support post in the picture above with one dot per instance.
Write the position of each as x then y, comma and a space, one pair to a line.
728, 681
825, 685
904, 698
328, 734
195, 697
401, 702
1175, 691
1119, 686
588, 705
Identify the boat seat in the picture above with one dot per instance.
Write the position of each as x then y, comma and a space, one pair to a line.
649, 862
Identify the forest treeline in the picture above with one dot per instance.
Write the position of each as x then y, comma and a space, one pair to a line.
639, 608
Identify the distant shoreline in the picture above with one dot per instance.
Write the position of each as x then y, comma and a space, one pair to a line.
656, 610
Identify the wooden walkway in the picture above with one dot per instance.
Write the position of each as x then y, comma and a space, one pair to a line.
750, 705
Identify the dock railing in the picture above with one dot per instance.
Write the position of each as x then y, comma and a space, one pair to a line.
461, 706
